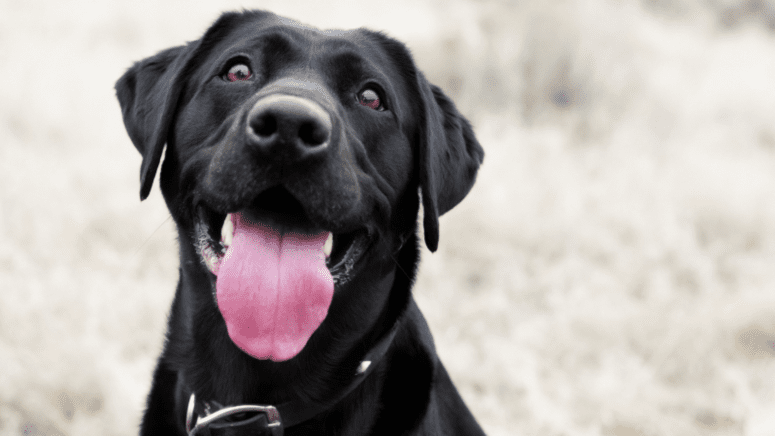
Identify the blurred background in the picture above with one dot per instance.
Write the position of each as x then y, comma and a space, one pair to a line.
612, 272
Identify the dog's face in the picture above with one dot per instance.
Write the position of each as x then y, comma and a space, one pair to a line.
293, 162
302, 130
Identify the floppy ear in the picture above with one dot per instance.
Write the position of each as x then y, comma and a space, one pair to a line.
148, 94
449, 158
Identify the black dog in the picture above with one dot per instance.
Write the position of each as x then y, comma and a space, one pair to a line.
282, 138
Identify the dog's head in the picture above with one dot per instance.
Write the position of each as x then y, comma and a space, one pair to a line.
294, 150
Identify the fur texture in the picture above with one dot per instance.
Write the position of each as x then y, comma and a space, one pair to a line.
363, 186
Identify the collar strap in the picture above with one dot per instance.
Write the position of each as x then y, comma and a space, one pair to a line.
290, 413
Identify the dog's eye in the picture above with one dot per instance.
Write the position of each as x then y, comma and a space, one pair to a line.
370, 98
238, 72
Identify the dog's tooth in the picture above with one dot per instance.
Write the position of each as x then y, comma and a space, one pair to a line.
329, 245
227, 231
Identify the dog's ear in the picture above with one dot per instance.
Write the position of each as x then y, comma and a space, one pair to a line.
148, 94
449, 158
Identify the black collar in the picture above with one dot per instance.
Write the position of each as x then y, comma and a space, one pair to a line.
288, 414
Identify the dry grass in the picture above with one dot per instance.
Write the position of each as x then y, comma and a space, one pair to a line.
611, 273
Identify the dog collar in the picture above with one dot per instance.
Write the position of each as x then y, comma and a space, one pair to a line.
273, 419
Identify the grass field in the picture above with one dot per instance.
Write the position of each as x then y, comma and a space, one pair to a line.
612, 273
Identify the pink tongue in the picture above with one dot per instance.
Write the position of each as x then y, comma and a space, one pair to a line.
273, 289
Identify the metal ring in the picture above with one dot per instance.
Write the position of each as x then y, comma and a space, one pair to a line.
273, 416
190, 413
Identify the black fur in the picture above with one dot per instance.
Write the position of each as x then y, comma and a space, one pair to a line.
365, 183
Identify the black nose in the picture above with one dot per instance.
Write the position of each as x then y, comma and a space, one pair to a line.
294, 127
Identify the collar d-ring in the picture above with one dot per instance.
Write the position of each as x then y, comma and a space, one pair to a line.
195, 424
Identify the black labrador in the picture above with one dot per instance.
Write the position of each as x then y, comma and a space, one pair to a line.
296, 159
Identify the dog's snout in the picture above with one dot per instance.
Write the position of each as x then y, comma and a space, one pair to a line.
288, 124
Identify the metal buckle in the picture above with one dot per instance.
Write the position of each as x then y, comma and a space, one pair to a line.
194, 425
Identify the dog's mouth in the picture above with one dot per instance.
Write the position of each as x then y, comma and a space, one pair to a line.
279, 210
275, 271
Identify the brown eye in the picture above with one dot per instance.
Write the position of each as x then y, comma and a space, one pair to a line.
370, 98
238, 72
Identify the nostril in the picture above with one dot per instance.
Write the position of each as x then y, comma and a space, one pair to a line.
288, 125
312, 134
264, 126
